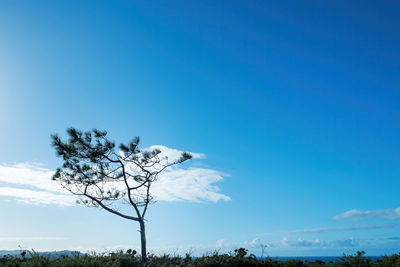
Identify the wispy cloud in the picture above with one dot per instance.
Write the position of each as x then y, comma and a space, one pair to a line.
346, 228
350, 242
394, 238
38, 188
227, 245
31, 183
336, 229
187, 184
288, 243
192, 184
301, 242
26, 174
32, 238
37, 197
174, 154
357, 215
306, 243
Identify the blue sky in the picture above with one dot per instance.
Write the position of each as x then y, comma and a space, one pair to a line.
293, 103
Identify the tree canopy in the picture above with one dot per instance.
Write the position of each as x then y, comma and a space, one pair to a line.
103, 176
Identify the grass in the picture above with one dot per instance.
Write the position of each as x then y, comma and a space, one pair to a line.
238, 258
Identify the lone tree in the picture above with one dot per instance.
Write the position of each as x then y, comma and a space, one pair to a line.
105, 177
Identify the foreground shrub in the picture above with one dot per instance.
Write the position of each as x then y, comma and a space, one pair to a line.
238, 258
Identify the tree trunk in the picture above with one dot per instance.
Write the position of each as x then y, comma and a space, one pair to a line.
143, 240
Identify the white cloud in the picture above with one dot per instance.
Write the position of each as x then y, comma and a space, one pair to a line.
220, 243
255, 242
174, 154
31, 183
38, 189
357, 215
29, 175
37, 197
193, 184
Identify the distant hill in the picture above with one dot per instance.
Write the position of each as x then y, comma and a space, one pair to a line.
51, 254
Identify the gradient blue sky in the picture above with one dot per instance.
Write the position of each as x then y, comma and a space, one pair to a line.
297, 102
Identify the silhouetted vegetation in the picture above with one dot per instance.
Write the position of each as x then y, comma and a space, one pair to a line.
238, 258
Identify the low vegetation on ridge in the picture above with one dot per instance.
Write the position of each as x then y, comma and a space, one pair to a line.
237, 258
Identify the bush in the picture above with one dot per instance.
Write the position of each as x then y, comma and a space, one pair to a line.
238, 258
